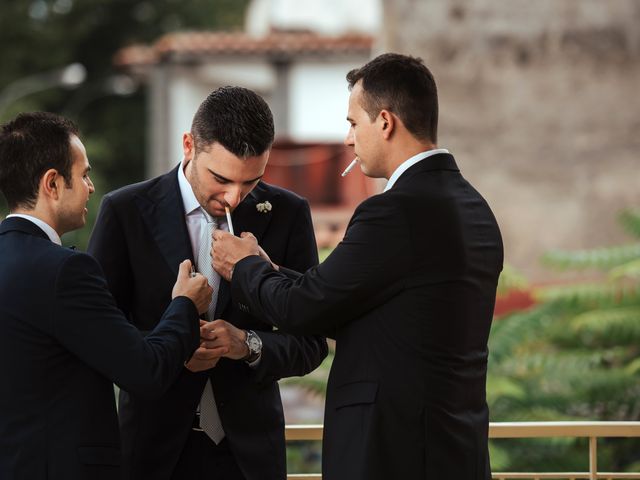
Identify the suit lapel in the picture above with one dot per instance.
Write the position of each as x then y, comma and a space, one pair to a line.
163, 213
247, 218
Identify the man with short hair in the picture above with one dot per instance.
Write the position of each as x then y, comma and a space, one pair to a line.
223, 418
63, 341
408, 294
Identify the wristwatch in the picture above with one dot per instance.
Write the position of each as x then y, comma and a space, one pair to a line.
254, 344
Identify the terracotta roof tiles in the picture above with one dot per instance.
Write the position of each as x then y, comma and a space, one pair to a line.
190, 45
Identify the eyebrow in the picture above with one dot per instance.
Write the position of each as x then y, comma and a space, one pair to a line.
224, 179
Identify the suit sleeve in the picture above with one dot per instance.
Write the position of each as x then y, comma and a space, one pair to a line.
365, 270
285, 354
108, 246
88, 323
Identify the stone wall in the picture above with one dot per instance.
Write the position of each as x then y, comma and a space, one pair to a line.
540, 104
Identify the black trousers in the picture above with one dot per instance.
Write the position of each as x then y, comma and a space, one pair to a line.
202, 459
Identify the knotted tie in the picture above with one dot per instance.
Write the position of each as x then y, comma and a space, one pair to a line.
209, 417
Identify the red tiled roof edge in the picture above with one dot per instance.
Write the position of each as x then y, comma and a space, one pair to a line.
226, 43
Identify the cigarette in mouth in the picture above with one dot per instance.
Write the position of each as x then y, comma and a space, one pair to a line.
350, 167
226, 209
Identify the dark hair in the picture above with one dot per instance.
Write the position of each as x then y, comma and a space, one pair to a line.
31, 144
237, 118
404, 86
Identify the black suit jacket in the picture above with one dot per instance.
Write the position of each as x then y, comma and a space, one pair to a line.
140, 237
63, 342
408, 295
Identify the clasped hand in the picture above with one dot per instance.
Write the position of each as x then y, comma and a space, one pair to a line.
217, 339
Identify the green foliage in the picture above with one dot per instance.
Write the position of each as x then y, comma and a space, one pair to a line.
575, 356
630, 220
600, 258
304, 457
316, 381
323, 253
511, 279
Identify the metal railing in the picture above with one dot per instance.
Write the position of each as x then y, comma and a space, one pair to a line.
591, 430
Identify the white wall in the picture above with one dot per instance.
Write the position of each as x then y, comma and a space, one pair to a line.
318, 101
185, 96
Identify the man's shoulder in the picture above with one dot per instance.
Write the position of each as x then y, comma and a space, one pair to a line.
385, 207
386, 200
45, 256
127, 192
63, 255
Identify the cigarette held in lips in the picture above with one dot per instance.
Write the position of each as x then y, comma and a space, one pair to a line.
226, 209
350, 167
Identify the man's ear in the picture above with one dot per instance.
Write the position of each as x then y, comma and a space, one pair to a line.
51, 183
188, 146
387, 123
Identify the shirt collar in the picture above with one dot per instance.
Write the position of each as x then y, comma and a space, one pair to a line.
186, 192
44, 226
404, 166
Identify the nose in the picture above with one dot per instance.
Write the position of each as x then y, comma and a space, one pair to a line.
349, 140
233, 196
91, 187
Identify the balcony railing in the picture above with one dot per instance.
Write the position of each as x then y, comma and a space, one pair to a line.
591, 430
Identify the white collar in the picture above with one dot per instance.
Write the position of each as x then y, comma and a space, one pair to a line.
404, 166
189, 199
44, 226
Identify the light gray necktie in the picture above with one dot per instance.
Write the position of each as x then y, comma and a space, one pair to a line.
209, 417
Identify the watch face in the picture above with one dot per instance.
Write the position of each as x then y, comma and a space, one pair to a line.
254, 344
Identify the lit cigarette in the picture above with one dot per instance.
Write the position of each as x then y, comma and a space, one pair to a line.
226, 209
350, 167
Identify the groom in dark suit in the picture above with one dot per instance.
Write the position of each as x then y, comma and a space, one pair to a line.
408, 294
223, 418
63, 341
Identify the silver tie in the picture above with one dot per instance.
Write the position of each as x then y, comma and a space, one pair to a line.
209, 417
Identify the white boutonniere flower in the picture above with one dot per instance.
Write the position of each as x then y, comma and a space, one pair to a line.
263, 207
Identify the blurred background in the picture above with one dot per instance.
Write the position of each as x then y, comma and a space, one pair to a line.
538, 103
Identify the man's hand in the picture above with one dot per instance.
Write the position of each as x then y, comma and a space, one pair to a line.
194, 287
264, 256
218, 339
205, 357
227, 250
202, 360
219, 334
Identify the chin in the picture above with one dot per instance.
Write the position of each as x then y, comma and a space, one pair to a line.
215, 208
216, 212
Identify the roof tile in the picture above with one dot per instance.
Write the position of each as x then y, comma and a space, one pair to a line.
202, 44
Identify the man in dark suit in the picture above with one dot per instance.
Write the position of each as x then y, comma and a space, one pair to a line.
141, 230
63, 341
408, 294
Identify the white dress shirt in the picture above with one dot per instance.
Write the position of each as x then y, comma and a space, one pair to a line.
404, 166
193, 215
51, 233
196, 220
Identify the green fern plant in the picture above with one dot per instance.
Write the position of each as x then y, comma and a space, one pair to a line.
576, 356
